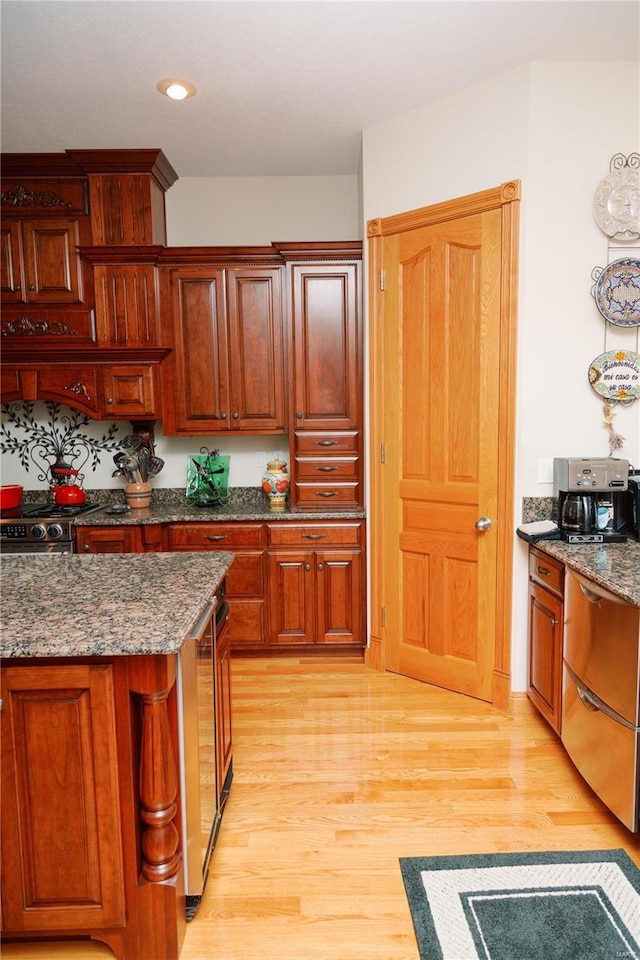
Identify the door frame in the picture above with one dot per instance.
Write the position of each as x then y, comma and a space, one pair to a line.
505, 198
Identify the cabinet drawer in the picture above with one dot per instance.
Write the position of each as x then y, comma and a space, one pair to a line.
316, 496
307, 535
322, 444
206, 536
329, 469
546, 571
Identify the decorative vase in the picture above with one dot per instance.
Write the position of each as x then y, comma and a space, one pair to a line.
137, 495
275, 484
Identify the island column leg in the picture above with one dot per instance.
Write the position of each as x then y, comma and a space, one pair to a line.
161, 904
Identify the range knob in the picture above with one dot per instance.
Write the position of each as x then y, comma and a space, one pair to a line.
38, 531
55, 531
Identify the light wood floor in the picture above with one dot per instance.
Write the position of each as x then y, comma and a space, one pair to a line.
339, 771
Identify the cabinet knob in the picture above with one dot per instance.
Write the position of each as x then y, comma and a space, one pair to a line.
109, 400
17, 287
85, 548
223, 416
31, 286
307, 566
236, 416
321, 566
299, 414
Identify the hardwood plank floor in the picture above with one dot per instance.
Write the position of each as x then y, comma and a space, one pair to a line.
339, 771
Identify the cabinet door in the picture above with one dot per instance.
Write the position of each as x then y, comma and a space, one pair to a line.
201, 351
11, 284
545, 654
327, 378
129, 392
256, 350
62, 864
340, 608
291, 598
52, 263
126, 312
125, 539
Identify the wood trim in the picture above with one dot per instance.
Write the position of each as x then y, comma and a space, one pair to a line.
374, 656
472, 203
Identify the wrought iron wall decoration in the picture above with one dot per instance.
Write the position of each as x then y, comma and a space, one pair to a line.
61, 440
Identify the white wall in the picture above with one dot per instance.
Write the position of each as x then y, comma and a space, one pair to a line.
254, 211
554, 127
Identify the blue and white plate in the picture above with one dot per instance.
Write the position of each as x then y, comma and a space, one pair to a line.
617, 292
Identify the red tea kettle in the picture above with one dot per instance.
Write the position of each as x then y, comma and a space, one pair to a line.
66, 491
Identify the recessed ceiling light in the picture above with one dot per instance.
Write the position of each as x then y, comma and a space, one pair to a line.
176, 89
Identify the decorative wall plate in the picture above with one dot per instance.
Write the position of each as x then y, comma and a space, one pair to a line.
617, 292
616, 203
615, 375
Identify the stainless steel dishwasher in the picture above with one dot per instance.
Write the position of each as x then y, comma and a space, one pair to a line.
601, 694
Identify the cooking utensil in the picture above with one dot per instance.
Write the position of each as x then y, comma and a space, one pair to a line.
155, 466
144, 456
10, 496
132, 442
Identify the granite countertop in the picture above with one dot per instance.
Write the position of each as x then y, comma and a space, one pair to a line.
105, 604
615, 566
184, 512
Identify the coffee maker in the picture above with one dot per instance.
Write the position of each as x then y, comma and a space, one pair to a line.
588, 505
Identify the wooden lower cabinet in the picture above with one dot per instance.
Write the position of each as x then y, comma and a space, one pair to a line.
145, 538
246, 579
290, 584
546, 615
90, 828
316, 584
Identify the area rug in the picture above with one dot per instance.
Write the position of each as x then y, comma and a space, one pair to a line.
525, 906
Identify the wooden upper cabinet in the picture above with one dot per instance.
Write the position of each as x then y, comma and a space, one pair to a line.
46, 287
326, 352
126, 189
228, 350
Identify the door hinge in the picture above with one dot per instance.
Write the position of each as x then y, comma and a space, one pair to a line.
383, 617
383, 275
382, 453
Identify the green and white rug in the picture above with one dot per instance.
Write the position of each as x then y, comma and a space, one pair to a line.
525, 906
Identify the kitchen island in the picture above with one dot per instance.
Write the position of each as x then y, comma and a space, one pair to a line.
615, 566
92, 802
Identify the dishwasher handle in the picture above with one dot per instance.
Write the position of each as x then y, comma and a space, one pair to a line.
594, 593
201, 623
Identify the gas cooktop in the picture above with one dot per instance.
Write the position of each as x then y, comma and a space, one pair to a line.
46, 510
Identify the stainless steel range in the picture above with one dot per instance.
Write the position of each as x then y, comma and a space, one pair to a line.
41, 527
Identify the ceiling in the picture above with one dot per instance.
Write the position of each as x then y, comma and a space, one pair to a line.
284, 88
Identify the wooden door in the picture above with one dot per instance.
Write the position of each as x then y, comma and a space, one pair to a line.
442, 388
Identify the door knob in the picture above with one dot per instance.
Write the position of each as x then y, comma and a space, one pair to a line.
484, 523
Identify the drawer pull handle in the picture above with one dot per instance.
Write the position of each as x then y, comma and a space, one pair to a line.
587, 701
544, 571
314, 536
326, 443
216, 536
326, 469
326, 493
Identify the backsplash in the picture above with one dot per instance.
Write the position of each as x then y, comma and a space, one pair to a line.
539, 508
